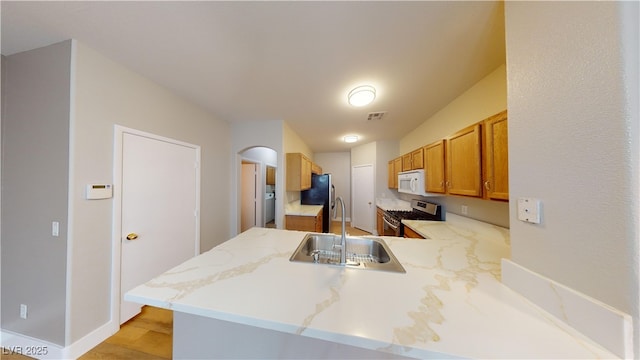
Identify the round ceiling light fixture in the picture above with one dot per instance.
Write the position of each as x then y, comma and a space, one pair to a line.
362, 95
351, 138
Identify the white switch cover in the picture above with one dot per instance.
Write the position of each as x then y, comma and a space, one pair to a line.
529, 210
55, 228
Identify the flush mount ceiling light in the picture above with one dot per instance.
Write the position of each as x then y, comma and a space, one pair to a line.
351, 138
362, 95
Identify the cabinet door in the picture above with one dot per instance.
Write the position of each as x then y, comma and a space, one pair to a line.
496, 157
464, 165
406, 162
409, 233
380, 221
316, 169
391, 175
301, 223
271, 175
417, 159
435, 167
319, 222
298, 172
305, 181
397, 167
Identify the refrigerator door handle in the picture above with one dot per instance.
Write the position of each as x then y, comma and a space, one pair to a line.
333, 196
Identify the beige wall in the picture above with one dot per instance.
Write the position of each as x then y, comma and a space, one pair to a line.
485, 98
338, 164
106, 94
293, 143
574, 144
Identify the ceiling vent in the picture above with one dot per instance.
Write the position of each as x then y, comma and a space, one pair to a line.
376, 115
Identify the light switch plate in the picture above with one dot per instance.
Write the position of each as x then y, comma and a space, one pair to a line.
529, 210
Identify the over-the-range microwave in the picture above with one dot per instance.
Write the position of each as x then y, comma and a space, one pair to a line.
412, 182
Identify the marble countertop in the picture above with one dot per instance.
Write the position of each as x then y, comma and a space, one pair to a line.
450, 302
302, 210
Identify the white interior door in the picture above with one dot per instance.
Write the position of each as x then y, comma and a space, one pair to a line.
362, 203
249, 196
159, 211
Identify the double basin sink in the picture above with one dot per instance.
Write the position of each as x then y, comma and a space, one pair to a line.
362, 252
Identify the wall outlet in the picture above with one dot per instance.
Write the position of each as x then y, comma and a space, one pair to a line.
23, 311
464, 209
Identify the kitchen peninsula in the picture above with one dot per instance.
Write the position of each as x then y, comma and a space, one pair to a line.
245, 299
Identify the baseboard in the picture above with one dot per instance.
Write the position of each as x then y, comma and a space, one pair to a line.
596, 320
40, 349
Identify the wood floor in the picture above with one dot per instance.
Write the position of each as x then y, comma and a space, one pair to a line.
149, 336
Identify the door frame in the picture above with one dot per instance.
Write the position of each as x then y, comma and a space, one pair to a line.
116, 230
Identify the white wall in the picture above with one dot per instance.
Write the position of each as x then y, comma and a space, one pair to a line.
106, 93
338, 164
246, 135
262, 156
35, 183
574, 144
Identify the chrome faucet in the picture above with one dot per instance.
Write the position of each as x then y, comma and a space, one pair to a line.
343, 239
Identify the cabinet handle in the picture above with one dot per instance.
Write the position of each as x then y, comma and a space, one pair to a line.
448, 183
487, 185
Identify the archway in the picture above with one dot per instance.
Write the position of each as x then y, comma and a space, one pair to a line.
258, 197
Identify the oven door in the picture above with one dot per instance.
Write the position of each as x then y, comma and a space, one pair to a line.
390, 229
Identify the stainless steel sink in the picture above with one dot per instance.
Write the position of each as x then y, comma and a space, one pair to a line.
362, 252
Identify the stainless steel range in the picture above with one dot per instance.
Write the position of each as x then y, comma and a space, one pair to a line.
420, 210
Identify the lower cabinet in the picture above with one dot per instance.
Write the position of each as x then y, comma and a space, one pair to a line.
304, 223
380, 221
409, 233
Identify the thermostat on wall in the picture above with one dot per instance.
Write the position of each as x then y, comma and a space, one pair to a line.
99, 191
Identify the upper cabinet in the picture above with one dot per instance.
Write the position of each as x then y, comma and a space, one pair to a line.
298, 172
434, 156
464, 162
316, 169
417, 159
496, 157
271, 175
472, 162
413, 160
393, 168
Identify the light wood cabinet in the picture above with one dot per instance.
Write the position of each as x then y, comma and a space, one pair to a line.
380, 221
391, 183
406, 162
464, 163
393, 168
316, 169
496, 157
298, 172
304, 223
413, 160
417, 159
271, 175
435, 167
397, 165
410, 233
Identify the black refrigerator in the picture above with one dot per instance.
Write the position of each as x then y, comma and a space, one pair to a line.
322, 192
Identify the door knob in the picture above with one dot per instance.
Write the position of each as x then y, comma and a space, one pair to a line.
132, 236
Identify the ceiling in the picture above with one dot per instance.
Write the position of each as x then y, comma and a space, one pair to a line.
293, 61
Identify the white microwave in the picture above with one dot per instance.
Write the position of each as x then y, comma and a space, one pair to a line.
412, 182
